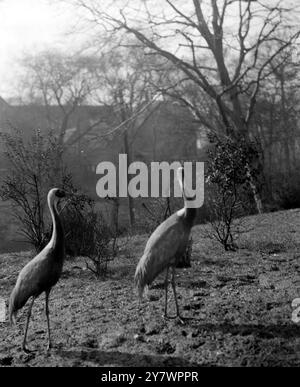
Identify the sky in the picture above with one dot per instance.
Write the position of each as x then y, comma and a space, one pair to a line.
28, 26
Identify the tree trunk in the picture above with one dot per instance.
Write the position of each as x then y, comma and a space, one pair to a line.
115, 216
254, 189
285, 128
130, 199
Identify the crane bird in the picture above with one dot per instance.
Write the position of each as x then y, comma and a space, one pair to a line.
42, 272
165, 247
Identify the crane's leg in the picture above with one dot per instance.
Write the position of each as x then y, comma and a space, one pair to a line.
166, 293
48, 321
175, 295
24, 348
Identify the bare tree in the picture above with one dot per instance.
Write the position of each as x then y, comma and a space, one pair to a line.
216, 46
56, 79
125, 84
276, 122
29, 179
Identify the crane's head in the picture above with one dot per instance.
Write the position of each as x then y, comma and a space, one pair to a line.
57, 193
54, 195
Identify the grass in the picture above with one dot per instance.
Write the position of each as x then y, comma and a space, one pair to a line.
237, 305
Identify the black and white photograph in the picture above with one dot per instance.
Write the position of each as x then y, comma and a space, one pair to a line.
149, 186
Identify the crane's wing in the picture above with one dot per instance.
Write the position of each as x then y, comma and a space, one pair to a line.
37, 275
165, 244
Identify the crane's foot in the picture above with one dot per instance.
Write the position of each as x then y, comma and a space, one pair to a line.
177, 317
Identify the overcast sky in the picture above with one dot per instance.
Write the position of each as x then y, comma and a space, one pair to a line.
25, 26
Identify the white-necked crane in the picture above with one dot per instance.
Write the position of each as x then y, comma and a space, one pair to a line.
43, 271
165, 247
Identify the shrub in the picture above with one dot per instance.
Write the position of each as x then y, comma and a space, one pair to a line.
153, 213
225, 224
98, 244
31, 175
227, 193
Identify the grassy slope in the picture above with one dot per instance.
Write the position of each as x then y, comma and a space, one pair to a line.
238, 305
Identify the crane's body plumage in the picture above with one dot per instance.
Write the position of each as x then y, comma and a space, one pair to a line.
165, 247
39, 275
43, 271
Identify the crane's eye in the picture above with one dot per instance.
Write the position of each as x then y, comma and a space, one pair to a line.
60, 193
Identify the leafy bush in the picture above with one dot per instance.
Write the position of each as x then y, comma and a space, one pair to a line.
74, 214
227, 193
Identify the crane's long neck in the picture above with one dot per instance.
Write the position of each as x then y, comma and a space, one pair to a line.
57, 240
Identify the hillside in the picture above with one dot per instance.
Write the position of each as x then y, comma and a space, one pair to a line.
237, 305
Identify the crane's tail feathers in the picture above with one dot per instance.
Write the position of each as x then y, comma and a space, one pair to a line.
140, 279
12, 308
12, 314
141, 290
13, 319
139, 286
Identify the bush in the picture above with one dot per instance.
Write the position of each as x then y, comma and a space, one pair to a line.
31, 175
152, 213
98, 244
74, 214
87, 233
227, 193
